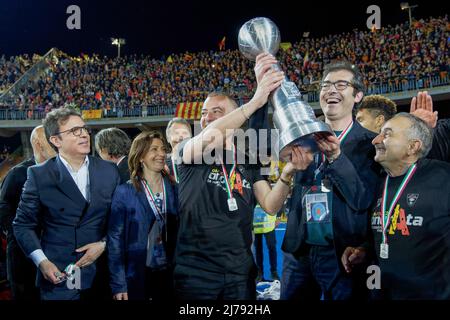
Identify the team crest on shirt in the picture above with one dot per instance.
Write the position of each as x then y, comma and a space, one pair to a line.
217, 178
411, 198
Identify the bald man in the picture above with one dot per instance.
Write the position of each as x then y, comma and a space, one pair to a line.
21, 271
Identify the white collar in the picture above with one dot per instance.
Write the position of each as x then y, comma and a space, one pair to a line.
120, 160
69, 167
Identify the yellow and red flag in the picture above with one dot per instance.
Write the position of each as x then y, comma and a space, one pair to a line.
189, 110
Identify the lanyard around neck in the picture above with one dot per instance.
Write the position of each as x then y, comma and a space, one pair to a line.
229, 179
386, 215
159, 213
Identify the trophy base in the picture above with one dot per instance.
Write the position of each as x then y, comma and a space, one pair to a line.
301, 135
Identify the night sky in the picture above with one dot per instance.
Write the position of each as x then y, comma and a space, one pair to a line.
162, 27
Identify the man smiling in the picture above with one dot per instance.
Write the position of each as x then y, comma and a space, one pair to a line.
69, 197
331, 198
411, 220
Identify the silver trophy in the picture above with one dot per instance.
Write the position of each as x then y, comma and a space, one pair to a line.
294, 118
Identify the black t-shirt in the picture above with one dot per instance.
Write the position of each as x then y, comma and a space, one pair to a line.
418, 266
210, 236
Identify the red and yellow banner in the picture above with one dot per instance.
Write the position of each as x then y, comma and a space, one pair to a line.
189, 110
91, 114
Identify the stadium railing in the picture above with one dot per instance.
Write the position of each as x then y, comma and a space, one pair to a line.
386, 87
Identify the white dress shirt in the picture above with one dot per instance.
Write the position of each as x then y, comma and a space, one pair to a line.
80, 177
120, 160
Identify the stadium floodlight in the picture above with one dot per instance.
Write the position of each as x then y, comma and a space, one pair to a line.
406, 6
118, 42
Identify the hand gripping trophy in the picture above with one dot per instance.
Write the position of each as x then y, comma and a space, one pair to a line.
294, 118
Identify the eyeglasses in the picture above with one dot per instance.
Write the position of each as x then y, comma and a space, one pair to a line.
76, 131
340, 85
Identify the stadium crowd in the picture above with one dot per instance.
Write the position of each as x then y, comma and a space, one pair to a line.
397, 57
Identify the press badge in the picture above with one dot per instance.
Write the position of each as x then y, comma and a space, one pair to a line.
232, 204
317, 204
384, 251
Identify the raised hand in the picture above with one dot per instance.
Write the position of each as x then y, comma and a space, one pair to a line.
422, 107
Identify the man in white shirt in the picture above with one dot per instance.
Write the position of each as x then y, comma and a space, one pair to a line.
68, 198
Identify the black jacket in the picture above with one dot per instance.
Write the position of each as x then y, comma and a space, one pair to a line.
11, 190
124, 171
354, 176
441, 141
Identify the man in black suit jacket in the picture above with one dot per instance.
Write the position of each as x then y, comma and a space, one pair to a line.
69, 197
21, 271
113, 144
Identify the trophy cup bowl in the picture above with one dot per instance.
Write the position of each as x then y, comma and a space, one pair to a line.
294, 118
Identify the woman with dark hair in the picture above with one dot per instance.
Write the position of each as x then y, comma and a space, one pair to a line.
142, 225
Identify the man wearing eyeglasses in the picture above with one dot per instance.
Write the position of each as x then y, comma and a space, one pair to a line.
330, 200
69, 198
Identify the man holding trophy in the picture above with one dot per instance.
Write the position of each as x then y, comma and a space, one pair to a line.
218, 190
331, 197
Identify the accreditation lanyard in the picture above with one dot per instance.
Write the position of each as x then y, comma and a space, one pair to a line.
175, 170
341, 138
159, 214
229, 181
386, 215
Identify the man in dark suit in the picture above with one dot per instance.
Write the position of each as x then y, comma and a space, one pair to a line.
69, 197
331, 197
113, 144
21, 272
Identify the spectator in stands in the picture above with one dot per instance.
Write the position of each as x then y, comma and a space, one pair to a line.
142, 226
21, 271
395, 58
113, 144
374, 111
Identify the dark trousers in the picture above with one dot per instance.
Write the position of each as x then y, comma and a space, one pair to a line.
197, 284
271, 243
100, 287
314, 276
61, 292
21, 274
159, 284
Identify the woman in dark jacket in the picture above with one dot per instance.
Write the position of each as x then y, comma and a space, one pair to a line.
143, 223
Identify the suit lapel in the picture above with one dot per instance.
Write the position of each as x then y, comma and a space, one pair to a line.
144, 202
92, 180
170, 196
67, 185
